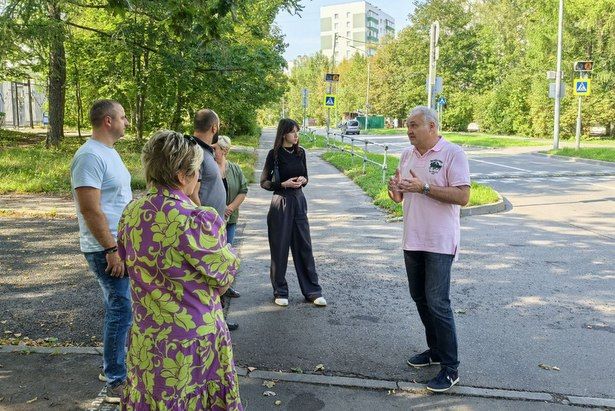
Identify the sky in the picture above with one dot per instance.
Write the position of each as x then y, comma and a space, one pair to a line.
303, 33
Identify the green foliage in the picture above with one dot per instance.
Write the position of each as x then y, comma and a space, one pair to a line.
161, 60
603, 154
493, 58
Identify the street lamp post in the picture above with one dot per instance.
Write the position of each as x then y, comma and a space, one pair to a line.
558, 77
367, 95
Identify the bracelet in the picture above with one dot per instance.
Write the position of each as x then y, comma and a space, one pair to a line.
111, 250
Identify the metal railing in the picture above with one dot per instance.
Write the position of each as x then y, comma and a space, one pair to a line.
331, 142
310, 133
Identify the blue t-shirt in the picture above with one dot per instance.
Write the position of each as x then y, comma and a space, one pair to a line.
99, 166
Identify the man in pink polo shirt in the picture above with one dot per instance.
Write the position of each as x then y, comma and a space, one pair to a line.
433, 181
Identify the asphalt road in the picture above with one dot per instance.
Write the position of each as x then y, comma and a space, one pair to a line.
533, 286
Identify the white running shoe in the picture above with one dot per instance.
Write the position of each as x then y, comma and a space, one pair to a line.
320, 301
282, 302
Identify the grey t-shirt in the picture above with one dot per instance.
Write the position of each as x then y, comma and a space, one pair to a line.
99, 166
212, 192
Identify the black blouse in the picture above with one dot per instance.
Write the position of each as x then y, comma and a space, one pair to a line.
289, 165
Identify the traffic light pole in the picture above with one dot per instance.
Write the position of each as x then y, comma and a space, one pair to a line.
330, 87
578, 134
433, 57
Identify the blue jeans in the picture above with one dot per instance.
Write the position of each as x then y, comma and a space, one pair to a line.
230, 233
118, 316
429, 280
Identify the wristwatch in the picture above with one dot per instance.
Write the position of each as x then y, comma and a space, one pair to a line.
426, 188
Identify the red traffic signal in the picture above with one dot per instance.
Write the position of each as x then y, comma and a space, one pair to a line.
583, 65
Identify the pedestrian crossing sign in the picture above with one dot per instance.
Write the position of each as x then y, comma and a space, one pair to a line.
582, 86
330, 101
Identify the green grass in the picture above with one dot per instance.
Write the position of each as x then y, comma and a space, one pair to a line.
494, 141
311, 140
26, 166
604, 154
384, 131
371, 181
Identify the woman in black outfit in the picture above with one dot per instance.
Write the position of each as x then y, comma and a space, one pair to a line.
287, 219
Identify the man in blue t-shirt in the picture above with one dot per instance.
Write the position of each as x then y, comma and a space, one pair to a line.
101, 188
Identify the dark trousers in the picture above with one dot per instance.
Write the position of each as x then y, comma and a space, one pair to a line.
288, 226
429, 280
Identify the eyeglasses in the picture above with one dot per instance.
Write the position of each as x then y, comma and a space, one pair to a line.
190, 139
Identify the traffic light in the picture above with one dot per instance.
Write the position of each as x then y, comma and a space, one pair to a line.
583, 65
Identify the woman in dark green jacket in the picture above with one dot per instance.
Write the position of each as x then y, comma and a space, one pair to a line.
235, 183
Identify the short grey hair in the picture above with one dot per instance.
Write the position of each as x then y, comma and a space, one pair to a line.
166, 154
429, 114
224, 142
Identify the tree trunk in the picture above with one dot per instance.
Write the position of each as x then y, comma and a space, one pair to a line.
78, 101
176, 119
57, 78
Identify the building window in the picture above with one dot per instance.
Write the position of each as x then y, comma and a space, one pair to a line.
335, 26
347, 34
335, 16
347, 24
347, 14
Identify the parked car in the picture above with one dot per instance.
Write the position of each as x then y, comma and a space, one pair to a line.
351, 127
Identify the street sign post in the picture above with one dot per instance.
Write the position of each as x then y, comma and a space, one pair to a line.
304, 103
330, 101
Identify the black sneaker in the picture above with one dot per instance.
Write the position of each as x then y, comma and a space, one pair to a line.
423, 360
445, 379
232, 326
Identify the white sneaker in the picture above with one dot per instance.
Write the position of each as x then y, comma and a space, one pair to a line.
282, 302
320, 301
102, 378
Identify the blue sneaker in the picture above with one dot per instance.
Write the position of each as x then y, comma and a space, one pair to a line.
423, 360
445, 379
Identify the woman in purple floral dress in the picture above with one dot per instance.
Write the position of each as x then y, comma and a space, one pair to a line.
180, 355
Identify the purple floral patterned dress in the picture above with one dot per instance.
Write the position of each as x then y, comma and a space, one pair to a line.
180, 355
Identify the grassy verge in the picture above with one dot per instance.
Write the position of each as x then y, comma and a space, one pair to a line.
604, 154
384, 131
371, 181
26, 166
494, 141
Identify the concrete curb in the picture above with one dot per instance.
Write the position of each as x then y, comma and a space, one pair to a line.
493, 208
495, 393
350, 382
51, 350
576, 159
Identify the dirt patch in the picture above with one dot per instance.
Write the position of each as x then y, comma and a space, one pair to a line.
46, 290
48, 381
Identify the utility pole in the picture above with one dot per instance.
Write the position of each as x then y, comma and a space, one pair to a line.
434, 33
558, 77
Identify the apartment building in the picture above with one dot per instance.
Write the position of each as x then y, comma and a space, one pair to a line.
359, 25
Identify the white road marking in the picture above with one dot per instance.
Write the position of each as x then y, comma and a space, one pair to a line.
500, 165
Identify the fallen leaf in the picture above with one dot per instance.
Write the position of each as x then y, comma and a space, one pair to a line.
8, 332
18, 335
278, 402
32, 400
3, 322
268, 384
251, 369
269, 394
51, 339
297, 370
319, 367
548, 367
391, 392
461, 311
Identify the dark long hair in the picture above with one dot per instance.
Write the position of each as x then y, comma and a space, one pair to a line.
285, 126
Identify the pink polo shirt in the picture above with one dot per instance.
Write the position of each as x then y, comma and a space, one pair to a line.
430, 225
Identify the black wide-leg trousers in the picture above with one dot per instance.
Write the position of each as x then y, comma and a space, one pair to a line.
288, 227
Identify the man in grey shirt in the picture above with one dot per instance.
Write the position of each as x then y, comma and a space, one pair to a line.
210, 190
